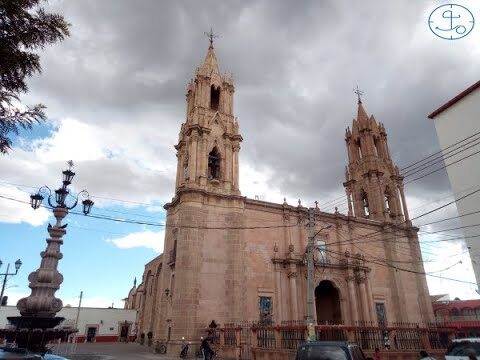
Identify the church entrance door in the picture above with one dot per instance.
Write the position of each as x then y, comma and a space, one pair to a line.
327, 303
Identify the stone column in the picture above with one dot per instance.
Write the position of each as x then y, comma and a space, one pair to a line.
363, 297
203, 155
404, 203
228, 162
179, 170
352, 298
292, 276
46, 280
236, 175
371, 302
278, 293
349, 201
192, 161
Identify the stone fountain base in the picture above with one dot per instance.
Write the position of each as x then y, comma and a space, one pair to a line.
33, 333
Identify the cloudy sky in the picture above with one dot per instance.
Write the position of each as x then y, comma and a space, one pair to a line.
115, 96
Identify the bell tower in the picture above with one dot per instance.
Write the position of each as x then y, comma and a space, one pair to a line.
209, 140
373, 184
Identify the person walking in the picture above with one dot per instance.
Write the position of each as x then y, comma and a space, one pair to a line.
207, 351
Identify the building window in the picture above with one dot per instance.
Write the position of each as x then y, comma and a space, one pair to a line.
265, 305
322, 251
380, 307
214, 164
214, 97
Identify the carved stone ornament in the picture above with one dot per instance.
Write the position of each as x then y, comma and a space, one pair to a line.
275, 248
292, 274
291, 248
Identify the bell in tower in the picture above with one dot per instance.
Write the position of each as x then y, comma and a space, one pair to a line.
373, 184
209, 140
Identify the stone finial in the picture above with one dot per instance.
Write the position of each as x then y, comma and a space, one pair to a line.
135, 282
316, 205
299, 203
336, 211
284, 201
291, 248
275, 248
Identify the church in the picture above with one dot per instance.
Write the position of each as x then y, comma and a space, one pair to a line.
230, 259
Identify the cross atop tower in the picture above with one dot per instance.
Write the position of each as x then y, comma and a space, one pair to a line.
211, 36
359, 93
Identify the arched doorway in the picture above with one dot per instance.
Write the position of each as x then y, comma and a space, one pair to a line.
327, 303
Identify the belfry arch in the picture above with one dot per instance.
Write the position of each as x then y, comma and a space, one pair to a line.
327, 303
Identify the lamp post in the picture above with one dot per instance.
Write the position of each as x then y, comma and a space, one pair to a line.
18, 263
311, 271
35, 327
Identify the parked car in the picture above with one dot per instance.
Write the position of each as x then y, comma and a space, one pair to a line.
459, 349
329, 350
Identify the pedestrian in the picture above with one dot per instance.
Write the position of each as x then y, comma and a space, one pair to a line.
377, 354
424, 356
207, 351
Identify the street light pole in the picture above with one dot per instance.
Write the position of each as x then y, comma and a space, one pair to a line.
311, 272
18, 263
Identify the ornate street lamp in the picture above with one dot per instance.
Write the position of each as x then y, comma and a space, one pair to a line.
36, 325
18, 264
61, 194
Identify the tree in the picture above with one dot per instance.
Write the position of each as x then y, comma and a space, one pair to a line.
25, 28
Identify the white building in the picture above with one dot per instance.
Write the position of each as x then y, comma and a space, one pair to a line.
94, 324
458, 123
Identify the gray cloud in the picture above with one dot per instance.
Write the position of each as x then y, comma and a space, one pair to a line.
294, 65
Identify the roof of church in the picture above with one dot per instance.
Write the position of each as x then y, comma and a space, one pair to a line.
210, 63
454, 100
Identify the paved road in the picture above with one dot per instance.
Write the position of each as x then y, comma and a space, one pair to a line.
109, 351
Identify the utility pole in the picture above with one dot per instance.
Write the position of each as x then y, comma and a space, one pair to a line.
310, 274
78, 314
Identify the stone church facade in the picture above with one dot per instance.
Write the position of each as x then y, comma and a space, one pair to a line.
229, 258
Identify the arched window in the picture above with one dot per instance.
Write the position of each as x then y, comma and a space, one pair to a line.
366, 208
214, 97
214, 164
359, 147
322, 251
375, 147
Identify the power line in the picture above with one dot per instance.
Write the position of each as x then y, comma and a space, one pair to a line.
443, 167
164, 225
409, 270
439, 152
442, 157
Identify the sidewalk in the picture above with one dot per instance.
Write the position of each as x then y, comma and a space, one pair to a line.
112, 351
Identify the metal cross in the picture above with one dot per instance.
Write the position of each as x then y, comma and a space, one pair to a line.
211, 36
359, 93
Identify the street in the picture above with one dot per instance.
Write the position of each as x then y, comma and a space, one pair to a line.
109, 351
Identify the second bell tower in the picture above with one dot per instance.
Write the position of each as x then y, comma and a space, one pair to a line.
373, 183
209, 140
